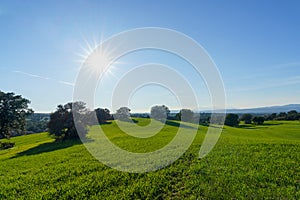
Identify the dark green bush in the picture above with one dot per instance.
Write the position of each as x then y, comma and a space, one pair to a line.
6, 145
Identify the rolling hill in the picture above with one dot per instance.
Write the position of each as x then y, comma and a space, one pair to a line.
263, 110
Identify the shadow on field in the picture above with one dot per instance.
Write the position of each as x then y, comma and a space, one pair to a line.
244, 126
258, 126
270, 124
176, 124
104, 123
48, 147
134, 121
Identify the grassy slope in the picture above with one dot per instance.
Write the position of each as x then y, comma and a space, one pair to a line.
247, 162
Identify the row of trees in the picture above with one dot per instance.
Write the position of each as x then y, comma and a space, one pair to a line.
14, 110
234, 119
160, 113
62, 123
291, 115
248, 119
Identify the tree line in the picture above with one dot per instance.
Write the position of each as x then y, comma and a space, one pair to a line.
14, 110
234, 119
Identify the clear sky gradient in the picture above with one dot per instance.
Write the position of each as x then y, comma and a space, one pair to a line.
255, 45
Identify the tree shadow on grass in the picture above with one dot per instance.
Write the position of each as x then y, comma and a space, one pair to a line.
48, 147
245, 126
104, 123
257, 126
269, 124
134, 120
176, 124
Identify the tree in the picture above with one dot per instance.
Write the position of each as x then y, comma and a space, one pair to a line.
258, 120
122, 114
282, 116
36, 126
13, 110
272, 116
62, 123
37, 123
159, 113
232, 119
185, 115
247, 118
292, 115
103, 115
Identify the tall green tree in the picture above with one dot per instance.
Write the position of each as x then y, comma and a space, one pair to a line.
62, 121
247, 118
282, 116
259, 120
159, 113
272, 116
292, 115
122, 114
103, 114
13, 110
232, 119
186, 115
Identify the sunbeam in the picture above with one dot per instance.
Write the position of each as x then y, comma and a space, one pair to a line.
97, 59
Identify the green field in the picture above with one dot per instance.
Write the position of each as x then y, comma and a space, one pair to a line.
249, 162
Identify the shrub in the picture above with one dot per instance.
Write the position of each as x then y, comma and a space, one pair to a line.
6, 145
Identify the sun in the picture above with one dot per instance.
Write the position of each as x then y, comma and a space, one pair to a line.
98, 60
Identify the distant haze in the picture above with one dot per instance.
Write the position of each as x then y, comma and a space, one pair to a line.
270, 109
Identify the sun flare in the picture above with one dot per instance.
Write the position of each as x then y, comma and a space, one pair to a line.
97, 59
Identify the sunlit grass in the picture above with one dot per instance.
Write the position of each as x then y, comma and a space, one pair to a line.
253, 162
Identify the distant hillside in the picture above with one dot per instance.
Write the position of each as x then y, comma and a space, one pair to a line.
37, 122
271, 109
39, 117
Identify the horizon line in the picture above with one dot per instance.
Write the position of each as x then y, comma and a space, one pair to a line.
197, 110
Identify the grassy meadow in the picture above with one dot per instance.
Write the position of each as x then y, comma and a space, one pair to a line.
248, 162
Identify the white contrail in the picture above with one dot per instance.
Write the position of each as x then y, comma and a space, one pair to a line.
31, 75
43, 77
66, 83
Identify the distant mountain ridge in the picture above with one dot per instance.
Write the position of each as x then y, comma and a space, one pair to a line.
269, 109
259, 110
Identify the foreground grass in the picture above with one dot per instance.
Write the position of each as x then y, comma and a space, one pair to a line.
247, 162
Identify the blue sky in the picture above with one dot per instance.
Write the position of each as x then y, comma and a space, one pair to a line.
255, 45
